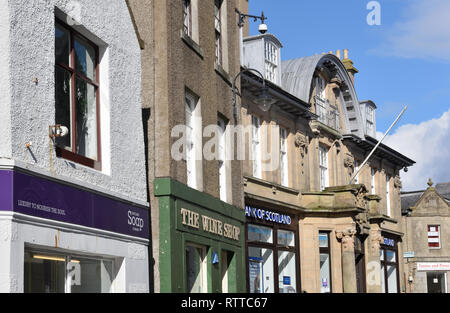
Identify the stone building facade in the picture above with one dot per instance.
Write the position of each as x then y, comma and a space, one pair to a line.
330, 234
426, 216
74, 214
190, 60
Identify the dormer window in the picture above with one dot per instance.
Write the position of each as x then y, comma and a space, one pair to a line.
370, 120
271, 57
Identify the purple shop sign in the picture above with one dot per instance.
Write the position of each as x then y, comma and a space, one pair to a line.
47, 199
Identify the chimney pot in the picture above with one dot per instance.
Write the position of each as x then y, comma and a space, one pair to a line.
338, 54
345, 54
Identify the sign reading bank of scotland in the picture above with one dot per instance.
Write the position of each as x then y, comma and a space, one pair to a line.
39, 197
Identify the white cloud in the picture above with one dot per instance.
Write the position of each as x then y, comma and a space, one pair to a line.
424, 32
427, 143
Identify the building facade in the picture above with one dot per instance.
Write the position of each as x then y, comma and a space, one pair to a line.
309, 226
74, 215
426, 217
190, 61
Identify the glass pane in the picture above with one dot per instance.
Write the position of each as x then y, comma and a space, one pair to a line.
286, 238
325, 275
323, 240
383, 283
195, 270
259, 233
85, 60
392, 279
44, 273
381, 255
90, 276
261, 275
62, 45
86, 109
390, 256
286, 272
63, 104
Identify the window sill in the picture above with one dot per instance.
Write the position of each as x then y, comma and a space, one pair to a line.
222, 73
70, 156
192, 44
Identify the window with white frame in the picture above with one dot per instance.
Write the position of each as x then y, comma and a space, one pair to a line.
283, 157
323, 164
370, 119
218, 30
321, 104
222, 159
388, 196
271, 57
372, 183
187, 17
434, 237
256, 146
192, 129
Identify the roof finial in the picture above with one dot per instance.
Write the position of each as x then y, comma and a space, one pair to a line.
430, 183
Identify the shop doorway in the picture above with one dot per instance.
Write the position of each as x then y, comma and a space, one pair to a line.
436, 282
360, 264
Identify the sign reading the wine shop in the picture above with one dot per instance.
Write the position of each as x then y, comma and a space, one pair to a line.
209, 225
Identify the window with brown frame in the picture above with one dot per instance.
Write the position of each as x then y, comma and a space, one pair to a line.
218, 30
77, 96
272, 257
390, 282
325, 262
187, 17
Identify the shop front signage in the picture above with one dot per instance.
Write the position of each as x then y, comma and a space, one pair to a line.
389, 242
209, 225
435, 266
43, 198
266, 215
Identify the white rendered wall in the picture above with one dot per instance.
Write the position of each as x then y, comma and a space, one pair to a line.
31, 107
131, 258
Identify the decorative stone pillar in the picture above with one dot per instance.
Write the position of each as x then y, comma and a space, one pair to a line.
373, 268
348, 259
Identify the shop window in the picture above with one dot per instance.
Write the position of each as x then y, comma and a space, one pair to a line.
325, 263
77, 97
57, 273
228, 272
261, 270
196, 269
389, 267
434, 237
272, 256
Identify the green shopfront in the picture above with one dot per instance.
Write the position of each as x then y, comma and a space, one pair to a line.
201, 241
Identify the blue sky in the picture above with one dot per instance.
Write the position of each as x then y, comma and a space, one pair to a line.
403, 61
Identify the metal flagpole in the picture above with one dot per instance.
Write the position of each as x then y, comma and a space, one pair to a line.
378, 144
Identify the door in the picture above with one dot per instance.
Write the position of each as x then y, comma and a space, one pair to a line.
360, 265
436, 282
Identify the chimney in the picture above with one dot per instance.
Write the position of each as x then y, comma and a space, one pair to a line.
349, 65
338, 54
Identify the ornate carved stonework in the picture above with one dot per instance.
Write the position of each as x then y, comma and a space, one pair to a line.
302, 143
347, 238
397, 182
349, 163
375, 241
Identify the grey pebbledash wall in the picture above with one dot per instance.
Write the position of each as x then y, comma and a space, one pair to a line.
27, 108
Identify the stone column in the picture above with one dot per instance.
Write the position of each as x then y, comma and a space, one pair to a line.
348, 259
373, 268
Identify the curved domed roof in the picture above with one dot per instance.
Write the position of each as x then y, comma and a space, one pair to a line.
297, 78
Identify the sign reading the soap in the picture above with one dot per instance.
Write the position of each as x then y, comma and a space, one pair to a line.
210, 225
